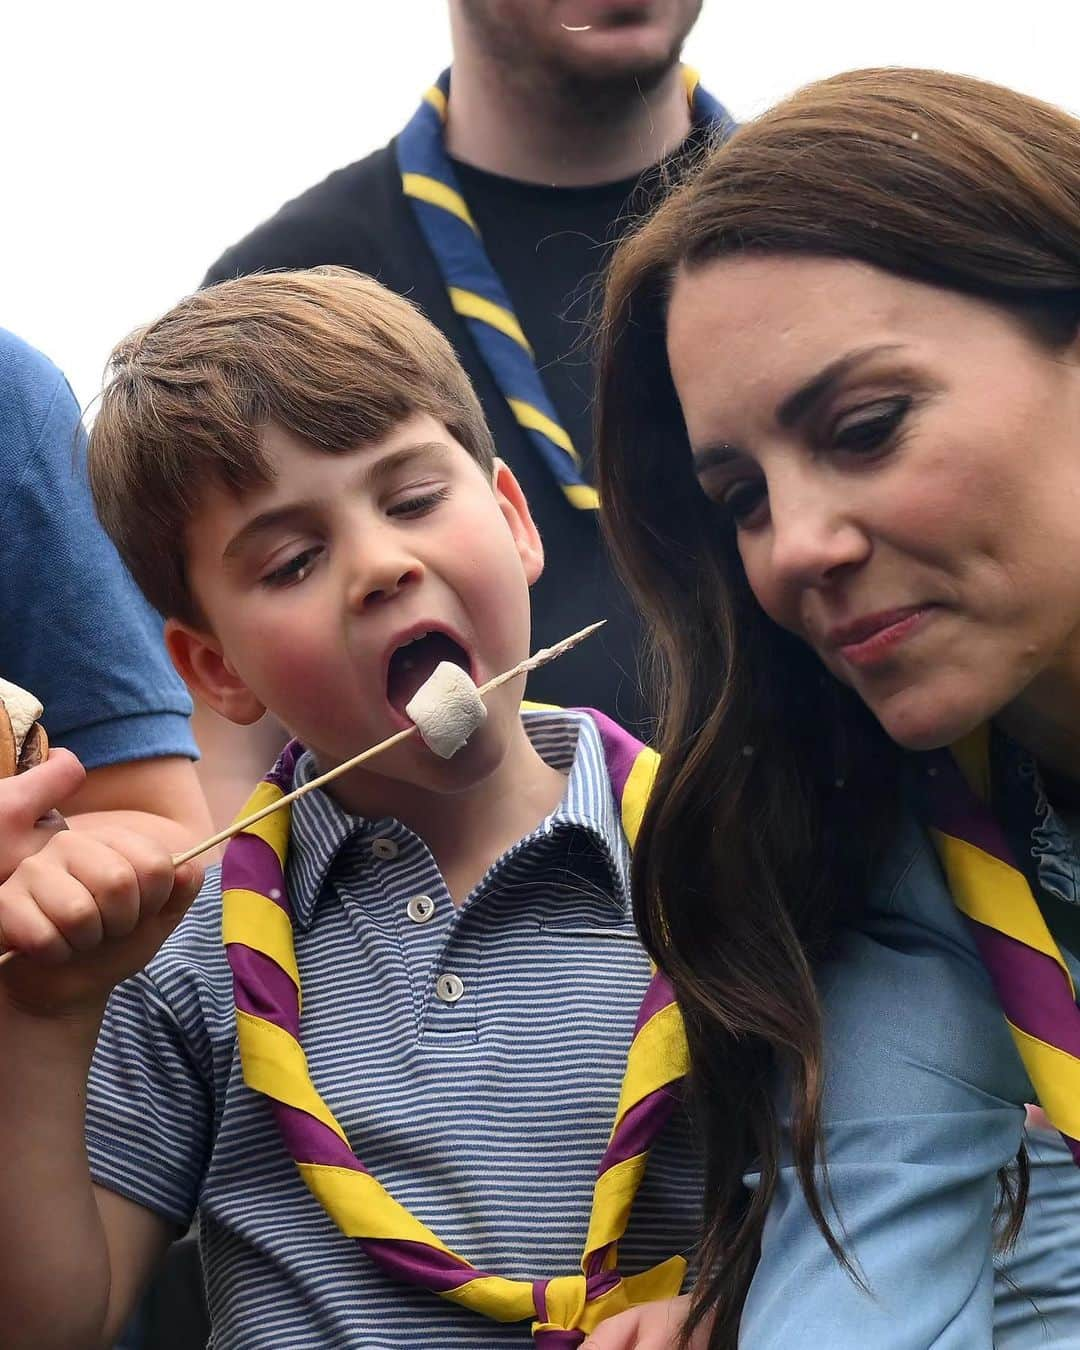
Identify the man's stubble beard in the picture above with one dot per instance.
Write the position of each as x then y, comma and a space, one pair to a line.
571, 84
600, 94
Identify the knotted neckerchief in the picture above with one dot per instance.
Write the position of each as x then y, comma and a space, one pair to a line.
258, 934
1029, 974
476, 292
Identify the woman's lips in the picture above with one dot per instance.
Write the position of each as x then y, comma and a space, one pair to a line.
871, 640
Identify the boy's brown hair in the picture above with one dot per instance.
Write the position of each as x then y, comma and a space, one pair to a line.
328, 354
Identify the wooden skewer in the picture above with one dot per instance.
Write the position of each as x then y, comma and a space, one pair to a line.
540, 658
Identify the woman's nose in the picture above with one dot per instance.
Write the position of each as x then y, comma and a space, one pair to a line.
814, 538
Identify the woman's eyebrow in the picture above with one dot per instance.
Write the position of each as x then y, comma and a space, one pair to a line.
713, 456
797, 406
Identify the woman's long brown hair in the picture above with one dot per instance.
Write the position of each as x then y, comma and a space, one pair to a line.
777, 791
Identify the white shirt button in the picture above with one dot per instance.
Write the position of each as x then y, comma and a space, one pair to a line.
420, 908
384, 848
449, 988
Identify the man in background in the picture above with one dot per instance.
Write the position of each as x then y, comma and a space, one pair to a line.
495, 210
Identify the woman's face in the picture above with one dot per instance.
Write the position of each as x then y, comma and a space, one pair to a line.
902, 465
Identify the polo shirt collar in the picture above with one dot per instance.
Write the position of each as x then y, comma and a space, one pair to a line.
568, 741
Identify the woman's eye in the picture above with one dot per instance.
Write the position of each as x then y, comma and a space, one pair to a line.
871, 427
296, 569
741, 500
419, 504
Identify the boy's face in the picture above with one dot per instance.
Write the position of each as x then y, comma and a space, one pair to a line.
314, 586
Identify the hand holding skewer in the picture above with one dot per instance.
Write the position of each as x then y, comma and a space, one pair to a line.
539, 658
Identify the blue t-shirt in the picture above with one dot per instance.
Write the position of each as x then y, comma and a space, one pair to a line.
73, 627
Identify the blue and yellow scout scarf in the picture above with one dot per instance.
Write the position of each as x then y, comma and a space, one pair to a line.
257, 928
1028, 972
476, 292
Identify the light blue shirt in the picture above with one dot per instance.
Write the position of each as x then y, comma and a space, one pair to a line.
924, 1103
473, 1056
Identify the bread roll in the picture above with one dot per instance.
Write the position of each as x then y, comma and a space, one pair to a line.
23, 742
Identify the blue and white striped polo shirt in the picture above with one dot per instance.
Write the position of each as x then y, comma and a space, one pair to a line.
473, 1056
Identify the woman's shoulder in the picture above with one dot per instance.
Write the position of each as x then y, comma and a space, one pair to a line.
905, 993
908, 890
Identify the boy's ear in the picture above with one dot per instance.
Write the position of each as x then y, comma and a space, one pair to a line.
516, 511
207, 673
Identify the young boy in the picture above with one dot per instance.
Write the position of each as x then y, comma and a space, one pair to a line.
298, 474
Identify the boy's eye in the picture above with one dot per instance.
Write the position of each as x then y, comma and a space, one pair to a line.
419, 503
296, 569
869, 428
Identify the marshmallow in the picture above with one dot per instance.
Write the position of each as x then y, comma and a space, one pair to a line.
446, 709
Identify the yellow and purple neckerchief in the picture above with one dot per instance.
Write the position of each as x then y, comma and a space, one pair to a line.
257, 928
476, 292
1029, 974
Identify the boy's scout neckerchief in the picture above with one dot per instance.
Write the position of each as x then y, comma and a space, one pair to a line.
258, 935
1026, 967
476, 292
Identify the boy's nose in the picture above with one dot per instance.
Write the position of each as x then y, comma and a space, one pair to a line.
380, 578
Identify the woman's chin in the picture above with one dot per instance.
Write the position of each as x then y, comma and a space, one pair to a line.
921, 723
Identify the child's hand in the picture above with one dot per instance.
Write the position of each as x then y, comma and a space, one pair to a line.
28, 807
86, 912
652, 1326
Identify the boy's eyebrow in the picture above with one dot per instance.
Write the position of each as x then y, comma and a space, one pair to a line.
264, 522
385, 465
296, 512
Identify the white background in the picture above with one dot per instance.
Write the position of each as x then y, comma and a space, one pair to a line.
137, 140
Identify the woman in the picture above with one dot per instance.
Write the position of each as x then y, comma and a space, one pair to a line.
840, 461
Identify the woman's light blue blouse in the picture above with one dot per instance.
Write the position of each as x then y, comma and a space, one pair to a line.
925, 1098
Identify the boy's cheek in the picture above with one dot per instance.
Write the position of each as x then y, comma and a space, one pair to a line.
317, 700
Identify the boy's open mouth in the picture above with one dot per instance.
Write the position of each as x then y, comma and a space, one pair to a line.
415, 661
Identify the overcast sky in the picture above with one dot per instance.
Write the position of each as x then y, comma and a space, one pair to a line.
139, 139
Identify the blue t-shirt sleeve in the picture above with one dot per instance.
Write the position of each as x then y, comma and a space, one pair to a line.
923, 1104
74, 629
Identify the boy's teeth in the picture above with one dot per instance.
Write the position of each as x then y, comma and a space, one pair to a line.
404, 660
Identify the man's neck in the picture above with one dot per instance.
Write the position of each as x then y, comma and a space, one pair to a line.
538, 135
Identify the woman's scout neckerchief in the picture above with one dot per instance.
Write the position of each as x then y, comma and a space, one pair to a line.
476, 292
1026, 967
258, 935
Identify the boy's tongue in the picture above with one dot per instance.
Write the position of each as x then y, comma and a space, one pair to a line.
410, 666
